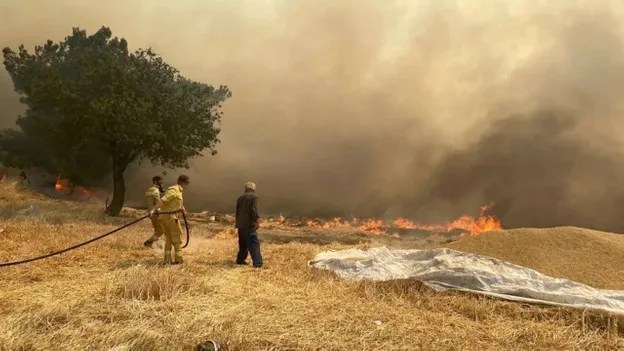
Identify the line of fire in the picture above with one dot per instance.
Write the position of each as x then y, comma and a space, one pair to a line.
463, 225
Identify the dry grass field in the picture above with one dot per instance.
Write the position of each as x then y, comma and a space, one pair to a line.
115, 295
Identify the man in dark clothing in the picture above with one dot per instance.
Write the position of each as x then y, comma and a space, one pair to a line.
247, 224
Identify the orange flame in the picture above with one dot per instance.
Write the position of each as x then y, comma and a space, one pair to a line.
63, 186
404, 223
335, 223
465, 223
485, 223
313, 224
373, 226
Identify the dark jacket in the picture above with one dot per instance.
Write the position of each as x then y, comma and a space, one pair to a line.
247, 211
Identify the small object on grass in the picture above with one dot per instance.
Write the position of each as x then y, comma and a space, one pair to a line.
208, 345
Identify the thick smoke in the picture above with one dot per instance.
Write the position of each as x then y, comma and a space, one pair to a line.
425, 109
555, 157
9, 104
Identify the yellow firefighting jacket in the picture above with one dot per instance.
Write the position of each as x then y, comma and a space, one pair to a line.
172, 200
152, 195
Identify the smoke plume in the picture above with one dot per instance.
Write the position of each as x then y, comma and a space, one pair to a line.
423, 109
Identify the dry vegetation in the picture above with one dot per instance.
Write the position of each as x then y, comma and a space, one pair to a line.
114, 295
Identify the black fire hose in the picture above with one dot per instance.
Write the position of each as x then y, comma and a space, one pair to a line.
15, 263
188, 235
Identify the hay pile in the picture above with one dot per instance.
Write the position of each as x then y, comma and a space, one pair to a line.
113, 294
586, 256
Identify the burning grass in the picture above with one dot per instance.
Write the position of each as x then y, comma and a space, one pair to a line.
64, 186
115, 295
465, 224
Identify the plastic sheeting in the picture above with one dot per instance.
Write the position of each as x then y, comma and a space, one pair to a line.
443, 269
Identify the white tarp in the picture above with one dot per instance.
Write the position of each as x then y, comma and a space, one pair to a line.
443, 269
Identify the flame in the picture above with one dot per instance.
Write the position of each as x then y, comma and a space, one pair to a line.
485, 223
63, 185
475, 226
313, 224
373, 226
335, 223
465, 223
407, 224
404, 223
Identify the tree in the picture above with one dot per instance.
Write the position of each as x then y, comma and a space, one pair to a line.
90, 99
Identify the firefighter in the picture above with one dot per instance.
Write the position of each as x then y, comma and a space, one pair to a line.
172, 201
152, 195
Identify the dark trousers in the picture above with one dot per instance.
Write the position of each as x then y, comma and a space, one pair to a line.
248, 243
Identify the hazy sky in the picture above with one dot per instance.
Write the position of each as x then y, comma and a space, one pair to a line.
425, 109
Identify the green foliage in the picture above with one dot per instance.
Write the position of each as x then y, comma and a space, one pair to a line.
91, 103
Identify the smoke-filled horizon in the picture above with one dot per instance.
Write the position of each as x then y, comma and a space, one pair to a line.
422, 109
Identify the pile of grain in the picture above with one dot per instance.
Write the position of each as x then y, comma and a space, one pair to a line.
587, 256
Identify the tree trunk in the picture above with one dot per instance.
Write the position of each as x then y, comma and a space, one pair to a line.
119, 188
